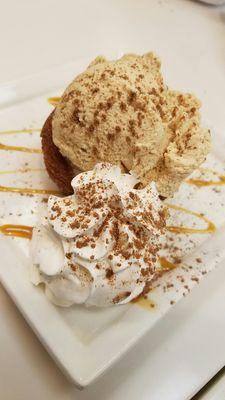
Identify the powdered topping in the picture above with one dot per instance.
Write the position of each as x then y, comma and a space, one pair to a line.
110, 230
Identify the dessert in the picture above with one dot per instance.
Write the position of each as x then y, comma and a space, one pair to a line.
100, 245
123, 113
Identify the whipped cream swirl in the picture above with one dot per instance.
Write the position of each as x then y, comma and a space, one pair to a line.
100, 245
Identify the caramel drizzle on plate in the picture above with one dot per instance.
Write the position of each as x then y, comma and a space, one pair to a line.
21, 171
16, 131
19, 148
144, 302
31, 191
53, 100
25, 232
202, 183
183, 229
22, 231
166, 264
28, 190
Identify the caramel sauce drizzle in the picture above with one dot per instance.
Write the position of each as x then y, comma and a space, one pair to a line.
203, 183
19, 148
145, 302
28, 190
166, 264
22, 231
15, 131
22, 171
53, 100
182, 229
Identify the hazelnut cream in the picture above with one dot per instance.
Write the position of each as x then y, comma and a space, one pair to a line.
122, 112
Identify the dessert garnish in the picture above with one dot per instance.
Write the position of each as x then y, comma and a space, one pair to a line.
100, 245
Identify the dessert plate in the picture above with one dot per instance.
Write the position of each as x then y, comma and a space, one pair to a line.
85, 342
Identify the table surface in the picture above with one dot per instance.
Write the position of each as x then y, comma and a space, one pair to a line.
36, 35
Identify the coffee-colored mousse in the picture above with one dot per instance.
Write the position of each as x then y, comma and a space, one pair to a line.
123, 113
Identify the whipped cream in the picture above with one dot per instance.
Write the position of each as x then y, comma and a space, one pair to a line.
100, 245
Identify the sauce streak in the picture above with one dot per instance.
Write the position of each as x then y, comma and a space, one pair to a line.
22, 231
21, 171
202, 183
53, 100
15, 131
165, 264
145, 303
182, 229
28, 190
19, 148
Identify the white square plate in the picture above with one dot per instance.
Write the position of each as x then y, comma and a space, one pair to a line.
86, 341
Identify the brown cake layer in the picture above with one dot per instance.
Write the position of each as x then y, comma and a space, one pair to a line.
58, 168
